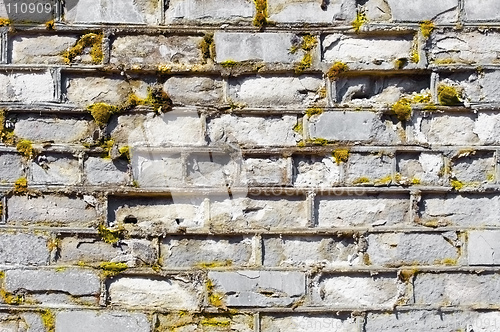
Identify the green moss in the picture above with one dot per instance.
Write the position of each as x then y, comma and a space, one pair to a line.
91, 42
219, 322
21, 186
359, 21
207, 47
25, 147
341, 155
313, 111
111, 269
426, 28
228, 63
361, 180
214, 264
456, 184
336, 70
260, 18
448, 95
125, 152
48, 320
402, 109
101, 112
157, 98
108, 235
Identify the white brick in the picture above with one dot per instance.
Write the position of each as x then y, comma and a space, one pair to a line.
54, 169
96, 321
209, 11
153, 169
40, 49
113, 11
309, 11
482, 10
23, 249
422, 10
58, 129
265, 171
188, 90
306, 323
483, 247
27, 87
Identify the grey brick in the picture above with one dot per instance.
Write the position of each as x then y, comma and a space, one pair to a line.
114, 11
266, 47
258, 288
213, 170
40, 49
420, 168
456, 289
209, 11
153, 169
11, 167
316, 171
308, 11
104, 171
392, 249
447, 129
270, 171
362, 210
30, 87
189, 90
306, 251
206, 251
476, 168
23, 249
422, 10
369, 168
107, 321
168, 293
484, 10
306, 322
362, 291
199, 322
482, 247
475, 88
54, 169
50, 208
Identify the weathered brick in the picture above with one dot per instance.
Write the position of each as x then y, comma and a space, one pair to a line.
486, 127
108, 321
311, 250
253, 131
369, 168
216, 170
21, 321
38, 49
206, 251
50, 208
133, 252
209, 11
76, 282
267, 47
198, 322
59, 129
421, 10
459, 210
104, 171
258, 288
23, 249
355, 291
474, 88
305, 323
308, 11
362, 210
368, 127
155, 50
392, 249
265, 172
11, 167
55, 169
27, 87
433, 321
474, 168
447, 129
316, 171
264, 91
420, 168
258, 212
113, 11
189, 90
382, 54
457, 289
168, 293
154, 169
482, 247
481, 10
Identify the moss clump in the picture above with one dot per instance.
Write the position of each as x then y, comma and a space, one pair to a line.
10, 298
304, 64
336, 70
400, 63
341, 155
314, 111
228, 63
101, 112
4, 22
157, 98
208, 265
215, 299
359, 21
426, 28
50, 25
456, 184
219, 322
361, 180
407, 275
319, 141
125, 152
415, 181
414, 54
111, 269
402, 109
108, 235
260, 18
21, 186
298, 128
25, 147
48, 320
448, 95
421, 98
91, 42
207, 47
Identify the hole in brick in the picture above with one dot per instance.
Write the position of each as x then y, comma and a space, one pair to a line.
130, 219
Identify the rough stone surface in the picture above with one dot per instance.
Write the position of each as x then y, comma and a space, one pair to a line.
11, 167
316, 171
100, 171
258, 288
481, 10
265, 172
476, 168
483, 247
308, 11
422, 10
112, 321
194, 90
425, 167
302, 323
58, 129
54, 169
369, 168
152, 169
448, 130
114, 11
23, 249
27, 87
40, 49
211, 11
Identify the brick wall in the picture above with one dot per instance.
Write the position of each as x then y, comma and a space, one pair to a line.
248, 166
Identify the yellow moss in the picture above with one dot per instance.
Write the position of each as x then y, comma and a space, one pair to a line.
216, 322
456, 184
301, 144
228, 63
414, 53
215, 299
359, 21
21, 186
400, 63
25, 148
426, 28
407, 275
111, 269
385, 180
48, 320
125, 152
207, 46
489, 177
448, 95
341, 155
4, 22
109, 235
313, 111
362, 179
214, 264
319, 141
157, 98
10, 298
304, 64
50, 25
260, 18
449, 261
415, 181
336, 70
90, 41
402, 109
101, 112
298, 128
163, 69
53, 244
366, 259
430, 108
61, 269
308, 42
421, 98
